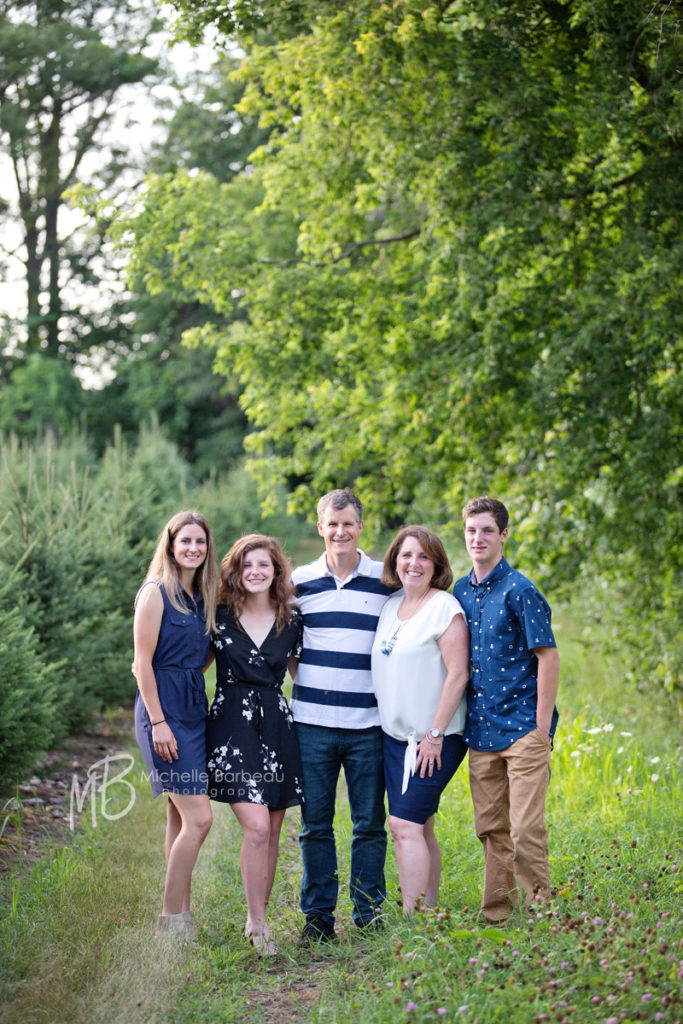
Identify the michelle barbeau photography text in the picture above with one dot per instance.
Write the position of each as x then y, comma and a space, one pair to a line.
109, 788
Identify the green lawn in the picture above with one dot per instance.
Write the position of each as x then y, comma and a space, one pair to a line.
77, 935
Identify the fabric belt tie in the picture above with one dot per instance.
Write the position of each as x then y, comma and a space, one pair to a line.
409, 761
195, 679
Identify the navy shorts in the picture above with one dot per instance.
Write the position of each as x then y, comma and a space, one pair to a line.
421, 798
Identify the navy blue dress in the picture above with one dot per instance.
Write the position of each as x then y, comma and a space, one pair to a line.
182, 651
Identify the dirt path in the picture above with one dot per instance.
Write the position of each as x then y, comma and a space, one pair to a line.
36, 819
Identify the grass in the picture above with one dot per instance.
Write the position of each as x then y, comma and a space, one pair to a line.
76, 942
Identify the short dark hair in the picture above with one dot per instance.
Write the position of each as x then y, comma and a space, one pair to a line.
431, 545
338, 500
491, 505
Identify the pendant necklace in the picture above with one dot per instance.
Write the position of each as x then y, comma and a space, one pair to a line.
388, 645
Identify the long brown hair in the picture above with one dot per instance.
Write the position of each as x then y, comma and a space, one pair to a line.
231, 591
163, 568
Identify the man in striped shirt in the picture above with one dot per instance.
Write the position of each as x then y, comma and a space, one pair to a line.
340, 595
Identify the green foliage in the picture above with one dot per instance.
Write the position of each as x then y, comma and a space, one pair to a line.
26, 693
69, 595
476, 285
244, 17
82, 530
60, 404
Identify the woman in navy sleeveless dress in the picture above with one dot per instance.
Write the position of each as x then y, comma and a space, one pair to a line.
254, 762
174, 612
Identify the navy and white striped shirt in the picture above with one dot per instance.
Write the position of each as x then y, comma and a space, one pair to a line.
333, 684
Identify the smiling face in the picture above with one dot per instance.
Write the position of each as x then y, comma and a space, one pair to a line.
189, 547
414, 567
257, 571
340, 530
484, 541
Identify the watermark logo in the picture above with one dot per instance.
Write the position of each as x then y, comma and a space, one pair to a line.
106, 779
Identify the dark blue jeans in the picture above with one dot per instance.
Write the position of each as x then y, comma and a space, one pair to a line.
323, 753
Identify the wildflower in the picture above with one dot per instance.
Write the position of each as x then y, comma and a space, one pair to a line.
564, 964
655, 760
410, 1006
473, 959
612, 1020
647, 996
608, 727
654, 777
462, 1009
597, 920
626, 734
441, 1011
515, 952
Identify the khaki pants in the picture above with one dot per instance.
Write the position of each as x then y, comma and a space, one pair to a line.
508, 793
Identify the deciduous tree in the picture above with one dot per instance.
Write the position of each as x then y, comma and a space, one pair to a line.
63, 65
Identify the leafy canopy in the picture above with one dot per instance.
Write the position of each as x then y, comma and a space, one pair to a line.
475, 281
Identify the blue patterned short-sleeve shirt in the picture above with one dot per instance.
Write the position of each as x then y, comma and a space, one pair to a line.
507, 618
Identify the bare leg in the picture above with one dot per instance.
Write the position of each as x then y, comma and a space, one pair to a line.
432, 890
258, 870
412, 859
183, 845
173, 826
276, 819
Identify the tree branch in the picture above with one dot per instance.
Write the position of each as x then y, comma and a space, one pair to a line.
348, 251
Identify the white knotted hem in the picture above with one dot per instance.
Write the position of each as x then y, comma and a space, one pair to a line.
409, 761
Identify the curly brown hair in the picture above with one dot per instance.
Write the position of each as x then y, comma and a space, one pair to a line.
231, 591
431, 545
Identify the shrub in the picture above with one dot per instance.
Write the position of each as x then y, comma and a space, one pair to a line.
26, 693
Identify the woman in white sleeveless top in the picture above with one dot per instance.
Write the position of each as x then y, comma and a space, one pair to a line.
420, 668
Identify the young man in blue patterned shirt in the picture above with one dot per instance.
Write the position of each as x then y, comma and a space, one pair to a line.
333, 703
511, 714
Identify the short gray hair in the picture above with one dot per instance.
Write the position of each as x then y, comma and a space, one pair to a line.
338, 500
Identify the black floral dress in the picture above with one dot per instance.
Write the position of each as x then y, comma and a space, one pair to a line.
253, 755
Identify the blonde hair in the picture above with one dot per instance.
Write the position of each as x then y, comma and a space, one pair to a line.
163, 569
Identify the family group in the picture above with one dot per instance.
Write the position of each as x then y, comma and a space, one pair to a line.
397, 674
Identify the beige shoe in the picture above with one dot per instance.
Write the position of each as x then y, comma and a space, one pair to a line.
188, 917
172, 924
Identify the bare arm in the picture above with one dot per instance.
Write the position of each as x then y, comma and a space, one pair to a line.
292, 666
454, 645
548, 683
146, 625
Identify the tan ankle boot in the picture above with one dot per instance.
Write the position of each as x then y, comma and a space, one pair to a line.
172, 924
189, 924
